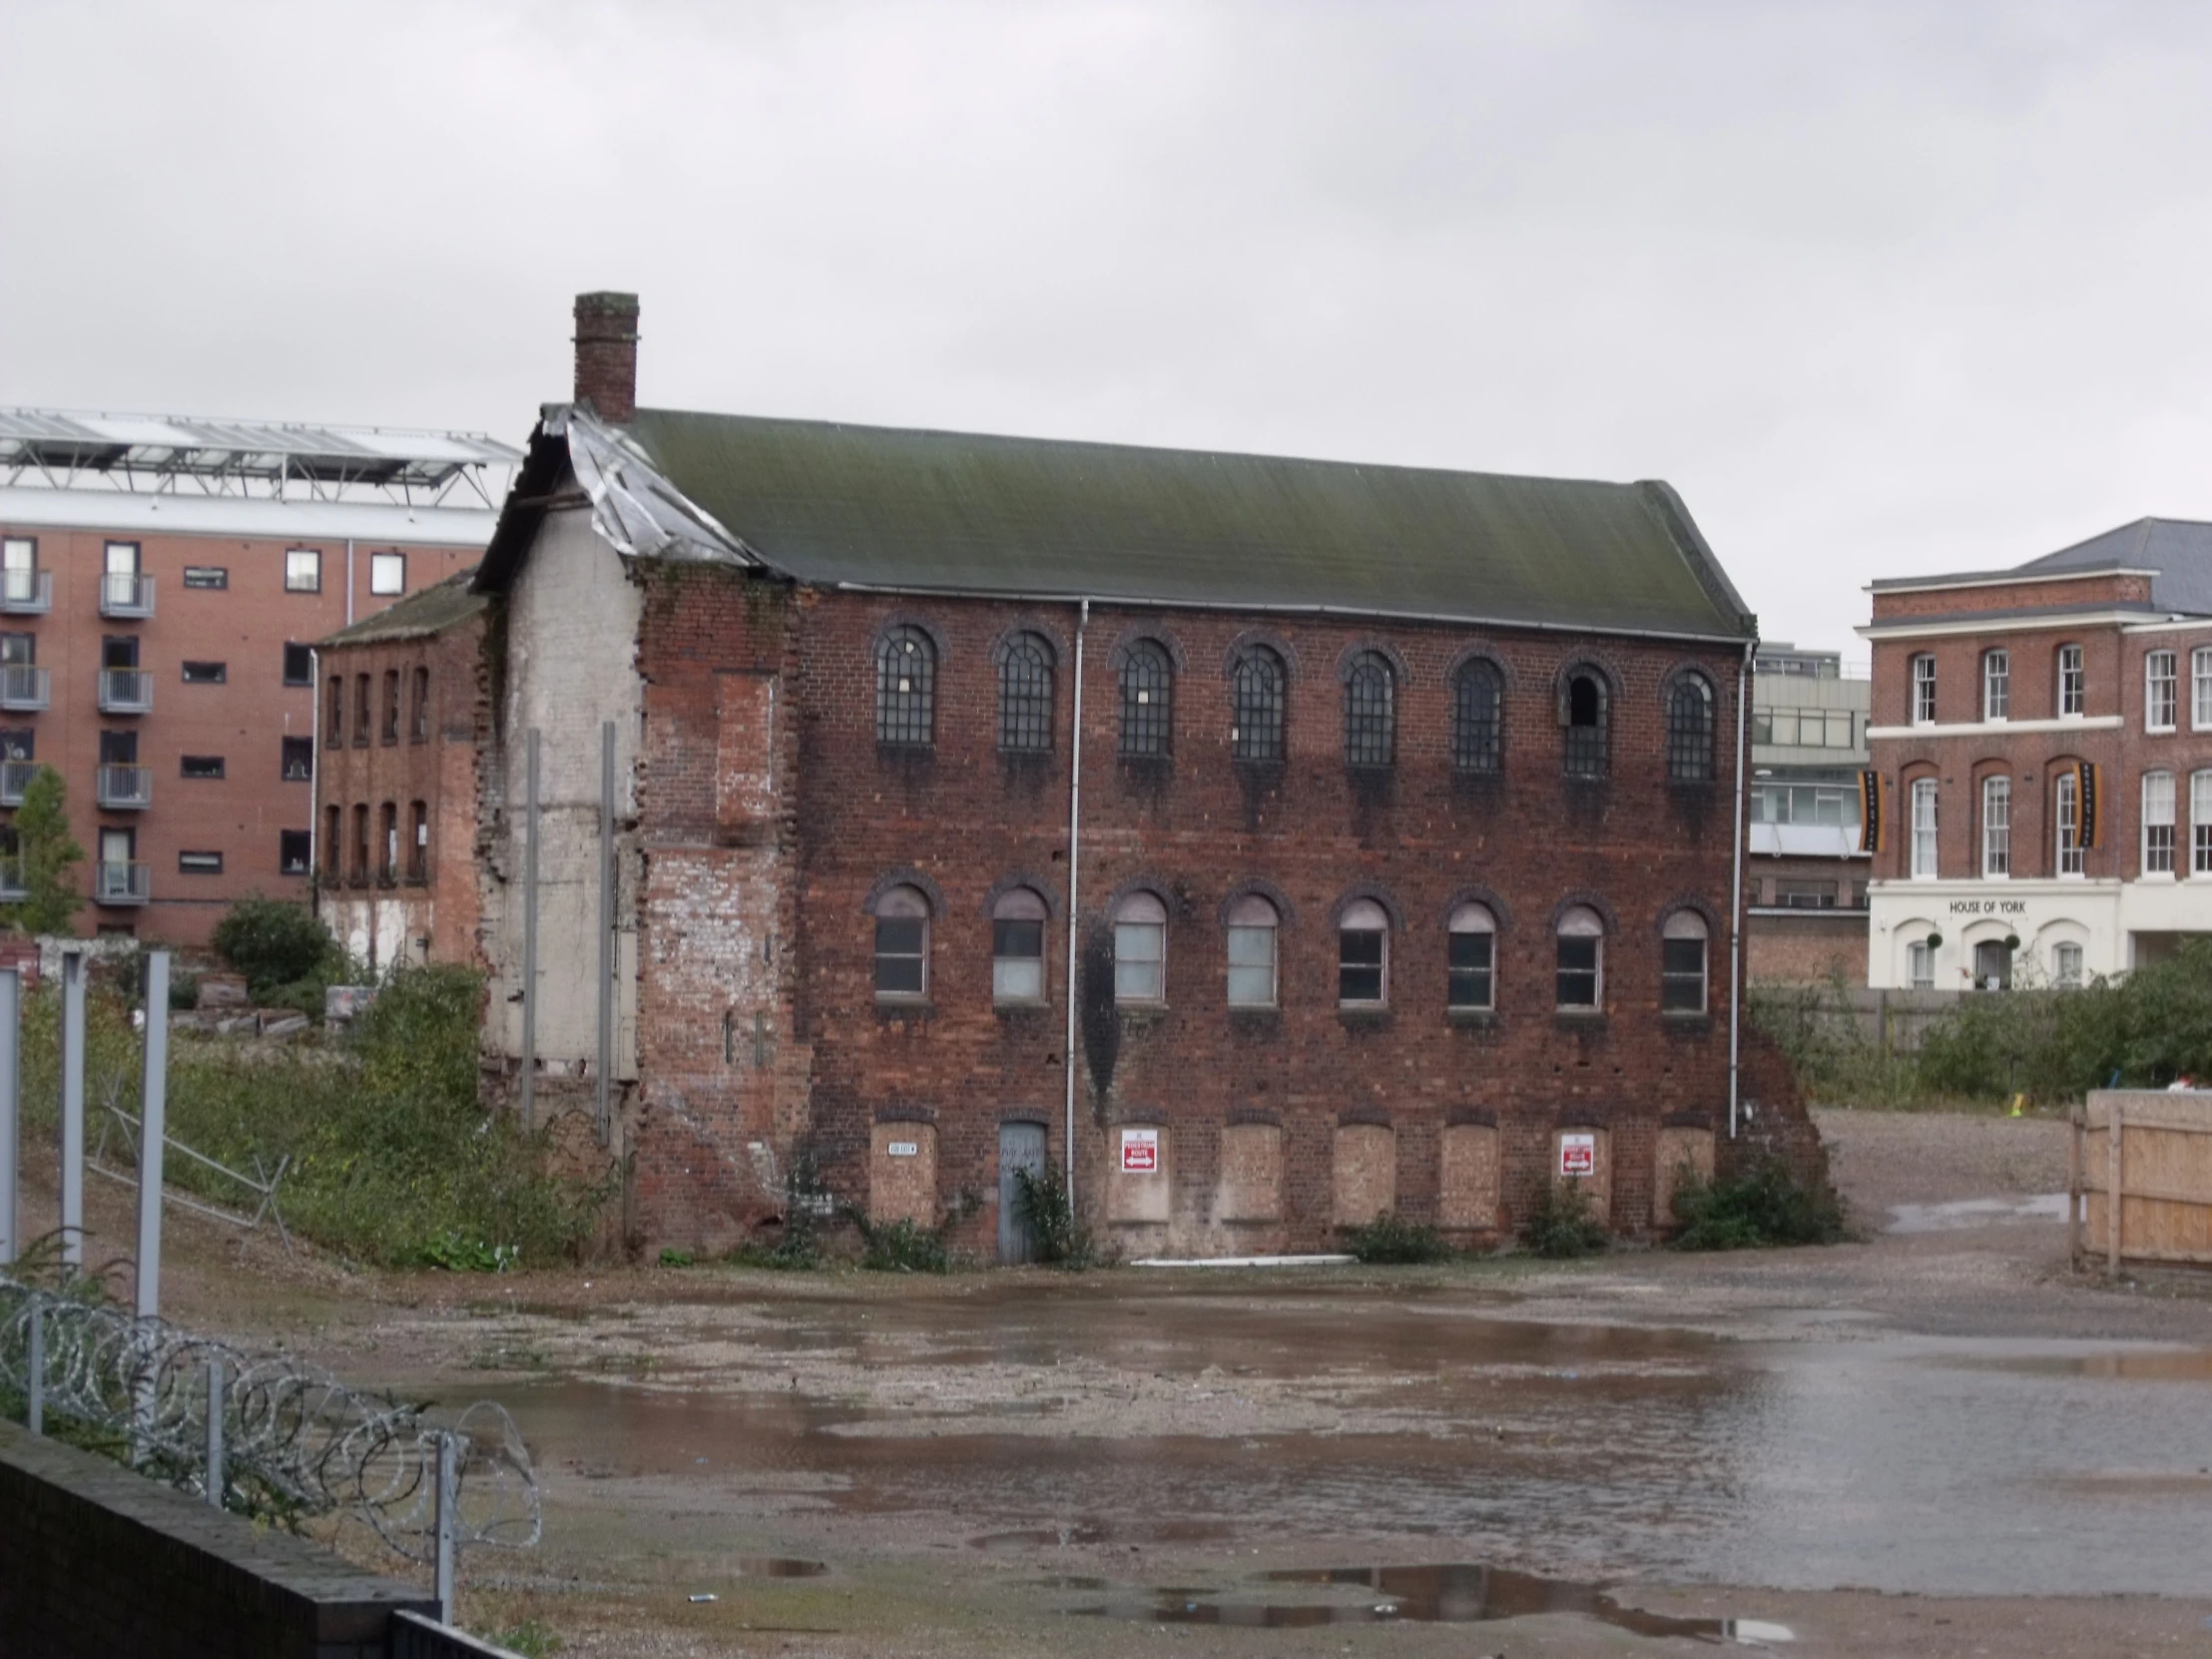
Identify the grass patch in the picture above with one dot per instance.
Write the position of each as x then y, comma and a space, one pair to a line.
1050, 1213
903, 1246
1389, 1239
1564, 1224
1766, 1205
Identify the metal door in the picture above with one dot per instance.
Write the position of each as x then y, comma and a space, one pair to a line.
1020, 1147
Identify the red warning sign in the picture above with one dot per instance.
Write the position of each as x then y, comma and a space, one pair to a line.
1577, 1155
1140, 1150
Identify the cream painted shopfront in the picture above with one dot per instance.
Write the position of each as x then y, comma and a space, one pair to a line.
1962, 936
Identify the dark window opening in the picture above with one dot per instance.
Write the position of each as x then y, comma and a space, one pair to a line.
418, 842
119, 651
392, 705
1025, 697
336, 715
387, 868
905, 689
1371, 712
295, 849
1147, 702
421, 725
1583, 715
206, 674
360, 843
1476, 705
119, 749
199, 863
299, 759
202, 766
361, 714
299, 665
1690, 730
207, 576
1360, 964
1255, 706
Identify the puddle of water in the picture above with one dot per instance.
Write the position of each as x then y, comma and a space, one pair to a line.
1071, 1533
1451, 1594
779, 1566
1975, 1212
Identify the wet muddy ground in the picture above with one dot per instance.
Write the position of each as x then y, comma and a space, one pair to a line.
1933, 1442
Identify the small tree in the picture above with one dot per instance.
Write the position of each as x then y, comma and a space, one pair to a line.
46, 850
273, 942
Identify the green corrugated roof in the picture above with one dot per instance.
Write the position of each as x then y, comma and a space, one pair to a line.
959, 513
421, 614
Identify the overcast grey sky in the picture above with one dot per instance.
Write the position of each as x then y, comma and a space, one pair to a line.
1879, 288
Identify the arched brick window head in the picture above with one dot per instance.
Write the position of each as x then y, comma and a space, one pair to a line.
1017, 948
1472, 968
1478, 709
1581, 972
1371, 711
905, 689
1582, 712
901, 945
1147, 702
1140, 950
1257, 695
1682, 963
1363, 955
1253, 929
1690, 730
1025, 697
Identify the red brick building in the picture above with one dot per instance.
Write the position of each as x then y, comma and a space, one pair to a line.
2045, 736
160, 584
396, 786
1385, 822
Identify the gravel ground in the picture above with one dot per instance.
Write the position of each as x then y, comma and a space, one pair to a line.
1880, 1159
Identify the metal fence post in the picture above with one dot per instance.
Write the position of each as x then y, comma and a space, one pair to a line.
153, 1134
604, 1059
35, 1418
447, 1495
217, 1479
73, 1109
11, 1011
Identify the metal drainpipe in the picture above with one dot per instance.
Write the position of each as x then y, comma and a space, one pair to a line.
315, 784
1736, 906
350, 580
1076, 833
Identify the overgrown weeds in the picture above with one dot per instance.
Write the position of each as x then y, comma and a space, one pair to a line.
903, 1246
1049, 1211
1391, 1240
1765, 1205
1566, 1224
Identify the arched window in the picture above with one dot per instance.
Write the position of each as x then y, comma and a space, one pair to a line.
1252, 929
1682, 946
905, 688
1581, 958
1690, 730
1256, 697
1140, 950
1363, 954
1017, 946
1147, 702
1477, 708
1582, 712
1997, 826
1025, 696
902, 946
1371, 711
1471, 975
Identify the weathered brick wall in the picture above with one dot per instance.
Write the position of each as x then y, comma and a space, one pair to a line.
96, 1561
1805, 949
2026, 594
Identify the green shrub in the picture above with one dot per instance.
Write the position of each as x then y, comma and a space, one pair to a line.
1050, 1214
1564, 1223
1389, 1238
276, 943
673, 1257
903, 1246
1765, 1205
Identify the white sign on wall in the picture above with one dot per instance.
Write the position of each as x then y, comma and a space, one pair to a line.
1577, 1155
904, 1149
1140, 1150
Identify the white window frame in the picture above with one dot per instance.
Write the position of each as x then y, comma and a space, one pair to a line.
1923, 849
2073, 684
1924, 688
903, 904
1020, 979
2160, 690
2069, 856
2200, 688
1253, 941
2158, 825
1996, 828
1996, 685
302, 570
1141, 922
1582, 923
1472, 922
2066, 974
387, 574
1920, 966
2200, 824
1365, 915
1682, 926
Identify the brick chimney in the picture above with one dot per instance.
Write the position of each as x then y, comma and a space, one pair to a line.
607, 354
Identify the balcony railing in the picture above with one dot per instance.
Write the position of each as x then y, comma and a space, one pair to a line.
13, 889
15, 778
25, 687
26, 592
114, 884
126, 595
126, 691
121, 786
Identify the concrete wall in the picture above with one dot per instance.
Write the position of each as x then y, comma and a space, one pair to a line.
96, 1561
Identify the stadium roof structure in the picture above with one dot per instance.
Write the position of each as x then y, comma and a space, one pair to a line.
284, 461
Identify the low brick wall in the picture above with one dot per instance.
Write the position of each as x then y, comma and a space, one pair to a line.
97, 1561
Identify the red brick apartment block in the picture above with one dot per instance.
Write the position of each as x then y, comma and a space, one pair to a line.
163, 583
2044, 740
1404, 838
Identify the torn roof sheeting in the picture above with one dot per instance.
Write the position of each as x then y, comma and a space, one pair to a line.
639, 512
